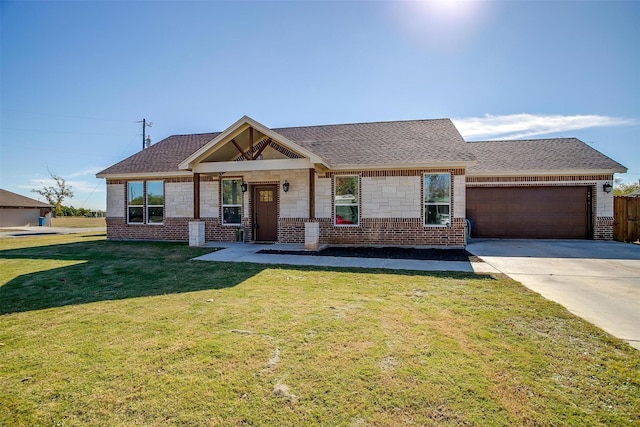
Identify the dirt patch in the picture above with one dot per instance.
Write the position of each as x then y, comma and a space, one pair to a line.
385, 252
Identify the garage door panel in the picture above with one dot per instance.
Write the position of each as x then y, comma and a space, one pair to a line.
529, 212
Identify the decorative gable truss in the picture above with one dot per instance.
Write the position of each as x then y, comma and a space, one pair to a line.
238, 148
260, 147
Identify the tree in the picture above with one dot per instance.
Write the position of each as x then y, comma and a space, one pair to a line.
622, 189
55, 194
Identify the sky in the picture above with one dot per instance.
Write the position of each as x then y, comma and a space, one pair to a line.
77, 77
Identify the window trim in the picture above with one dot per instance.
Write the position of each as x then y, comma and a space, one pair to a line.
425, 203
145, 203
335, 206
230, 205
129, 205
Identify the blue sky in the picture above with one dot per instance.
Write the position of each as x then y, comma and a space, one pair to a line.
77, 76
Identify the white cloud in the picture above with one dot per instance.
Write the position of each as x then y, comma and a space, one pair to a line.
88, 171
514, 126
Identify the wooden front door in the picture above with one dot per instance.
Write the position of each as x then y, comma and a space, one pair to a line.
265, 219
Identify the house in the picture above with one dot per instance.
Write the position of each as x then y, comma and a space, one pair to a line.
415, 183
20, 211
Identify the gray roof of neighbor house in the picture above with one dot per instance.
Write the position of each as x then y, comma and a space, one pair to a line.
552, 154
382, 143
13, 200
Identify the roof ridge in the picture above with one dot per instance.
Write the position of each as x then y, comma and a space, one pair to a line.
361, 123
523, 140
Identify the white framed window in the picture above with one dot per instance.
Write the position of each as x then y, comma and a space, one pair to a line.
231, 201
346, 204
135, 202
143, 209
437, 199
155, 202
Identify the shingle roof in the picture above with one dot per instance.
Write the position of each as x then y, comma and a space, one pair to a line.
163, 156
554, 154
13, 200
392, 143
413, 141
381, 143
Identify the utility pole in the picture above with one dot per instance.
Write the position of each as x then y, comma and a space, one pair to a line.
144, 129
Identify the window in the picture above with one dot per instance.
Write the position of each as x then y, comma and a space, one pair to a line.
155, 202
437, 199
231, 201
136, 202
346, 202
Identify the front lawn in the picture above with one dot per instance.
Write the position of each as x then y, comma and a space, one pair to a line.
94, 332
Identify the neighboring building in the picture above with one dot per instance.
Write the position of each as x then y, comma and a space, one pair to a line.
409, 183
20, 211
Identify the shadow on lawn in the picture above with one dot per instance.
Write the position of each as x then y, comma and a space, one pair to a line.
111, 270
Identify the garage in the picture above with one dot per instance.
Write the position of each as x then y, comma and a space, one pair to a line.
543, 212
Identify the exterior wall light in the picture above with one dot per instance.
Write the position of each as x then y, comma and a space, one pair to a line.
244, 187
285, 186
607, 187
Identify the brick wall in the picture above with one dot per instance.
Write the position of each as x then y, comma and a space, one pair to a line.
601, 202
173, 229
396, 231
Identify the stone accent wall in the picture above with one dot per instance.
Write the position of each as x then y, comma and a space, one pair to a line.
209, 199
178, 199
459, 197
295, 202
323, 197
391, 197
115, 200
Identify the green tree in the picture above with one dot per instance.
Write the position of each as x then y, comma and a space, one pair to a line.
622, 189
55, 194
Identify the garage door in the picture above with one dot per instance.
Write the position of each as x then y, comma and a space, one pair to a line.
530, 212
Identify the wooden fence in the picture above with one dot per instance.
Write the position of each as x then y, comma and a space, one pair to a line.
626, 219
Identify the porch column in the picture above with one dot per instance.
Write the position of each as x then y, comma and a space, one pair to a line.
312, 228
196, 227
196, 196
312, 194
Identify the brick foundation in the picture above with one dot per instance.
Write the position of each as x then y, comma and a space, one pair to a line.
603, 229
385, 231
173, 229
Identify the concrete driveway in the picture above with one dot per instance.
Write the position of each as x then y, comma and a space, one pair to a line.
598, 281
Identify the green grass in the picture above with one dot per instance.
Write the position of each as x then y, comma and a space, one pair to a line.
95, 332
77, 222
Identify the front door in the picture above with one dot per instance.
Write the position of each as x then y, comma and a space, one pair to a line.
265, 206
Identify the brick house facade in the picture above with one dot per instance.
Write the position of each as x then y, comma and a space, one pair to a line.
388, 183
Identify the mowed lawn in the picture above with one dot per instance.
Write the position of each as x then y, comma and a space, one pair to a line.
94, 332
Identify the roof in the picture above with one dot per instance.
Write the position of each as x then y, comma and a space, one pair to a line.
383, 143
379, 143
13, 200
388, 144
553, 154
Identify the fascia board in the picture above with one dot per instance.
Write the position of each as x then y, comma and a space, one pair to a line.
373, 166
248, 166
539, 172
237, 128
140, 175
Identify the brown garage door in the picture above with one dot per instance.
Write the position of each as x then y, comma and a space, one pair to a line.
530, 212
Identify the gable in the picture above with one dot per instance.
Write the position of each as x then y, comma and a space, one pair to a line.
248, 141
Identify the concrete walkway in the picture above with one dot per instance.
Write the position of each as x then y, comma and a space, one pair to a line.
35, 231
598, 281
247, 252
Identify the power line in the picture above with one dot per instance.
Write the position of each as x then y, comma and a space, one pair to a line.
63, 131
69, 116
